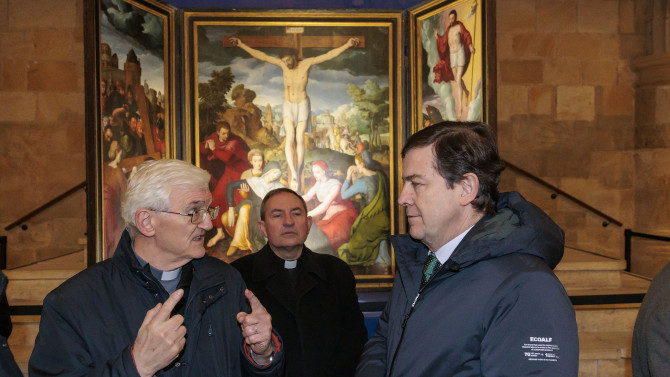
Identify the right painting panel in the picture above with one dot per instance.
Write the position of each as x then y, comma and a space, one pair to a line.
453, 58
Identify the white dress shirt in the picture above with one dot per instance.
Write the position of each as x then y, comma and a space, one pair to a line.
444, 253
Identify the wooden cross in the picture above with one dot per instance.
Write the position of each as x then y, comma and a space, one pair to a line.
294, 38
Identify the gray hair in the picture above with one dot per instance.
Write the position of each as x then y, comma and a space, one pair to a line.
152, 184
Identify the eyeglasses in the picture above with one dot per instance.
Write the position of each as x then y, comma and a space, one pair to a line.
197, 216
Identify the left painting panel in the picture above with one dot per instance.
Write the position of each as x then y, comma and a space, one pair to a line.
135, 117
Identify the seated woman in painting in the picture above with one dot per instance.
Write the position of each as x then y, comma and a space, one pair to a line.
367, 242
258, 187
332, 215
241, 238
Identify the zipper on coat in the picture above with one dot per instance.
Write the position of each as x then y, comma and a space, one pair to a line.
402, 333
408, 315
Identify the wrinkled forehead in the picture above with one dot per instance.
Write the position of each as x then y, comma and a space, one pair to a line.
187, 196
283, 201
418, 160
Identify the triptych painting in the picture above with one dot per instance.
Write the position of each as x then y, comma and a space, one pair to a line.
318, 102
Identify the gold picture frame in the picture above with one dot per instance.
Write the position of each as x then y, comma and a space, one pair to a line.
131, 107
437, 66
348, 92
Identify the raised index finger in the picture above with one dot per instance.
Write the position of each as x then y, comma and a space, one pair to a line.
255, 304
169, 304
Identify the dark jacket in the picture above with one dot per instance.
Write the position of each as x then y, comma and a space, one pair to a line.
90, 322
651, 336
8, 366
494, 309
320, 321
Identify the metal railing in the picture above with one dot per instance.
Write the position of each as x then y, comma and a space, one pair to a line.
23, 219
629, 234
46, 205
557, 191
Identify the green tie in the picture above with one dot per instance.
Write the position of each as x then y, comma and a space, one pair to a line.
429, 268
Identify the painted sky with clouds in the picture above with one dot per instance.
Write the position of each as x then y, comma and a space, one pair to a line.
327, 87
124, 27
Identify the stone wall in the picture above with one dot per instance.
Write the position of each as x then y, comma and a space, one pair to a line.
566, 107
652, 139
42, 143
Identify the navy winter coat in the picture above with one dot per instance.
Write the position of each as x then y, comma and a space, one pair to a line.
494, 309
90, 322
8, 366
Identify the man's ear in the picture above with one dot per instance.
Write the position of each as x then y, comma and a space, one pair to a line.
469, 188
144, 222
261, 227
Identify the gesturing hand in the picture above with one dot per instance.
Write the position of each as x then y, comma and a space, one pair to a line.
257, 329
351, 170
160, 339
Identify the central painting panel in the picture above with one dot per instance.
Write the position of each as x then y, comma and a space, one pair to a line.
308, 101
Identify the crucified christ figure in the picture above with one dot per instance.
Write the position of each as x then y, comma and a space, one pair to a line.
296, 107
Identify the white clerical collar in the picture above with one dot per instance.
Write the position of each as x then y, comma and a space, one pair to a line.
290, 264
158, 274
444, 253
171, 275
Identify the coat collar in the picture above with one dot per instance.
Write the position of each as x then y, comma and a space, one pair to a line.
266, 264
207, 273
267, 268
517, 227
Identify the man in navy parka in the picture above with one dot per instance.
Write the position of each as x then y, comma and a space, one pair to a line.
494, 306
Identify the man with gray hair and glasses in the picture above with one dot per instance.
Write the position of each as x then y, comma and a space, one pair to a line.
159, 306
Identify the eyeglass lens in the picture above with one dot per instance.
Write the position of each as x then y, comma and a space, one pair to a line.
200, 215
